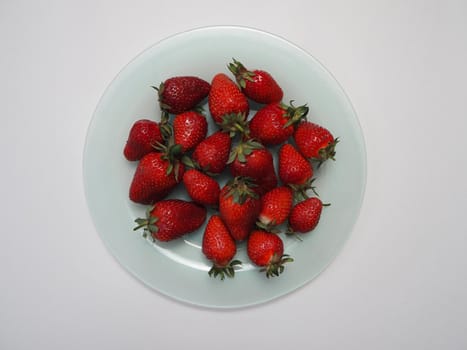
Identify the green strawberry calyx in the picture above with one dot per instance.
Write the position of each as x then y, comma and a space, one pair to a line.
191, 163
243, 149
294, 114
269, 227
300, 192
226, 270
240, 188
166, 127
327, 152
276, 265
148, 224
160, 94
165, 108
235, 124
242, 75
172, 154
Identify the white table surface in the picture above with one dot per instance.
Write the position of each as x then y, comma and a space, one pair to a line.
400, 281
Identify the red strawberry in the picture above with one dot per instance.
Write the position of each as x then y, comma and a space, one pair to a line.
180, 94
189, 129
276, 206
226, 99
201, 188
273, 124
305, 215
156, 175
220, 248
172, 218
251, 159
293, 168
143, 136
266, 249
212, 153
239, 207
266, 184
258, 85
315, 141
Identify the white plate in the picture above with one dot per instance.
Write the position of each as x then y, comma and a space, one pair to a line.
178, 269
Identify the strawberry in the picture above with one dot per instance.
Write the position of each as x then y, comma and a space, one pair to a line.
219, 247
180, 94
156, 175
295, 171
266, 249
315, 142
201, 188
171, 218
266, 183
293, 168
274, 123
189, 129
258, 85
143, 136
275, 207
227, 104
212, 153
251, 159
305, 215
239, 207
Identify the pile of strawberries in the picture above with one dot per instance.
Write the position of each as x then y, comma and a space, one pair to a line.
256, 202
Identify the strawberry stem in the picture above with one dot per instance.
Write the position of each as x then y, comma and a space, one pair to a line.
240, 72
141, 223
294, 114
239, 127
291, 232
234, 123
148, 223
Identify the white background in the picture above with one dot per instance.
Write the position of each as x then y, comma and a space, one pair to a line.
400, 281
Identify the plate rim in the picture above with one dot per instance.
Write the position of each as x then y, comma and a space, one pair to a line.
136, 275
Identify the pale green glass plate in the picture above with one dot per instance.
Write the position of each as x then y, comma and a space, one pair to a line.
178, 269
